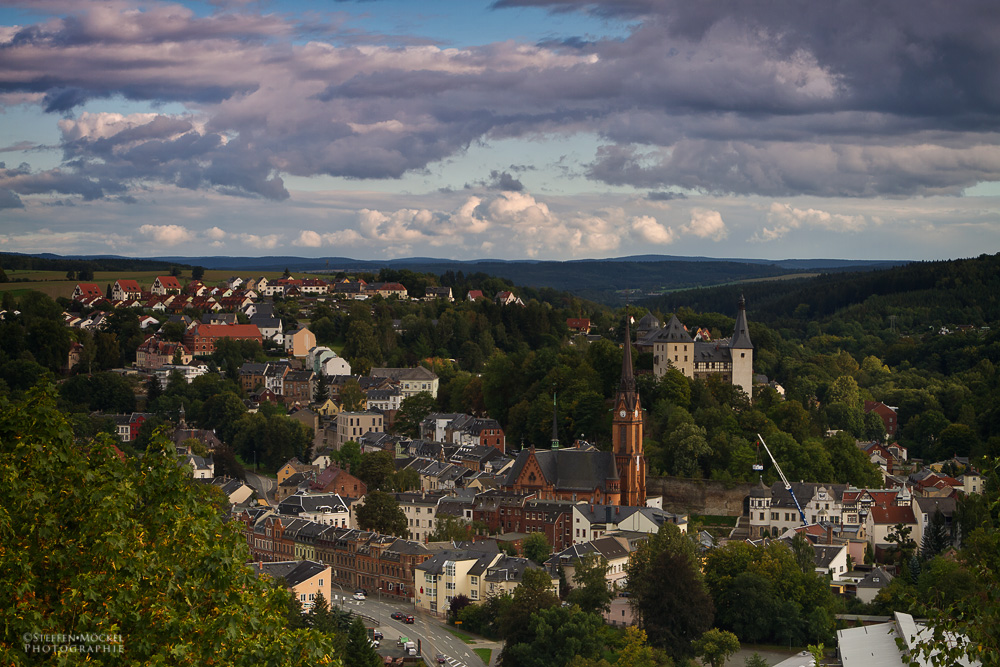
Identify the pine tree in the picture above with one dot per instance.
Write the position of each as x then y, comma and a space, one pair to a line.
359, 651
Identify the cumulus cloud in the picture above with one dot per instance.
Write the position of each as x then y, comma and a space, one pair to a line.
261, 242
215, 234
706, 224
783, 219
647, 229
168, 235
738, 98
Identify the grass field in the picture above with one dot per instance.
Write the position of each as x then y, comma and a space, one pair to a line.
468, 639
484, 653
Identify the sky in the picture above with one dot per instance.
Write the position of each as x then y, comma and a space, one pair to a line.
506, 129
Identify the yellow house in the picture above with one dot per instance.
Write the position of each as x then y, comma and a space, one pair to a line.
293, 466
304, 578
328, 408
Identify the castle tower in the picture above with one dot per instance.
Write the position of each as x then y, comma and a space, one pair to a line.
626, 433
742, 351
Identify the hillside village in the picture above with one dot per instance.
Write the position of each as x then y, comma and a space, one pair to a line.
474, 501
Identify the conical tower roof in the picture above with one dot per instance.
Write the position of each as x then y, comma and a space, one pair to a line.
741, 333
626, 387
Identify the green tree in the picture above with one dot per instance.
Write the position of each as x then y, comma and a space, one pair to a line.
413, 411
534, 594
537, 548
352, 399
936, 538
590, 590
805, 555
715, 646
382, 514
667, 591
197, 272
359, 651
108, 528
755, 660
322, 390
553, 636
376, 470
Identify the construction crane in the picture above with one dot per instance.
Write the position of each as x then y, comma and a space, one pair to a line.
784, 480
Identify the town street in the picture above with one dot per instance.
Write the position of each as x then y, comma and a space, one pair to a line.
428, 629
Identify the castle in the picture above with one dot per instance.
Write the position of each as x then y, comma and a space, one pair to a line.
698, 359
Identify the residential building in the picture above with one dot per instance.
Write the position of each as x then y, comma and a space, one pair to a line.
299, 342
353, 425
887, 414
125, 290
411, 380
305, 579
164, 285
201, 338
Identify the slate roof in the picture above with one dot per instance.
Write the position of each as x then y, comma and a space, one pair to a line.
298, 503
672, 332
418, 373
569, 469
293, 572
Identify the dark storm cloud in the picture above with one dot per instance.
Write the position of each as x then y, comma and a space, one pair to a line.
774, 98
9, 199
499, 180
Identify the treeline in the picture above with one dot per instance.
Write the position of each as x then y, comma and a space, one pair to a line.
920, 294
18, 262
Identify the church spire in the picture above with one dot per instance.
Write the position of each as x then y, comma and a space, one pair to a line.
626, 387
555, 425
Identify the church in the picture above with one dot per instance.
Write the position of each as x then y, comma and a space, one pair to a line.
587, 475
672, 346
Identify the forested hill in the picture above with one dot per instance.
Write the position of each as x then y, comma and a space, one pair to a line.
48, 262
954, 292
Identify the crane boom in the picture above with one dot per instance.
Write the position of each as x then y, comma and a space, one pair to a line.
784, 480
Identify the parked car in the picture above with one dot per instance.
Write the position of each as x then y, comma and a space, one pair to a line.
377, 634
397, 616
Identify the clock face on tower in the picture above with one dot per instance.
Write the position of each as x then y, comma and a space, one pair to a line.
622, 413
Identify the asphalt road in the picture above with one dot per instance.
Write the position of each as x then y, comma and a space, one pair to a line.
264, 486
434, 638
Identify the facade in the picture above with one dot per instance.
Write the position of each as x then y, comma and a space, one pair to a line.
887, 414
164, 285
125, 290
730, 359
201, 338
299, 342
87, 292
411, 380
353, 425
154, 353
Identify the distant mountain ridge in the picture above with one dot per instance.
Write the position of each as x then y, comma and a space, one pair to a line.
603, 280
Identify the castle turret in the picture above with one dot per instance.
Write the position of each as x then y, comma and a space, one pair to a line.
742, 351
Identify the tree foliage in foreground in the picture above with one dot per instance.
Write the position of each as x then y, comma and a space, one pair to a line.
668, 593
93, 544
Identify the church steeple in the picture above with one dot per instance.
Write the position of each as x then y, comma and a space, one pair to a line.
555, 424
626, 431
626, 386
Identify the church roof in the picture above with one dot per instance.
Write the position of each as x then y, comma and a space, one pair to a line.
569, 469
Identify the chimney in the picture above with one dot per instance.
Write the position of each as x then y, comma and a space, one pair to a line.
618, 510
829, 534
